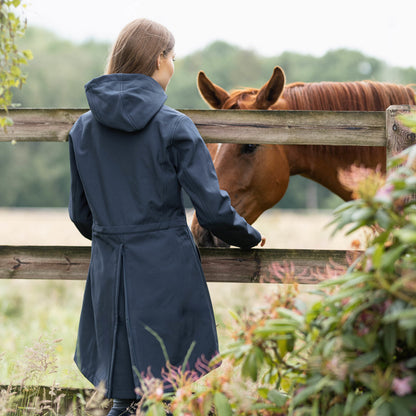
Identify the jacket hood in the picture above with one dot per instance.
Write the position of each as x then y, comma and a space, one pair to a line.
124, 101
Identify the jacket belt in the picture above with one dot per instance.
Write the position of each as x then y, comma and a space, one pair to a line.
139, 228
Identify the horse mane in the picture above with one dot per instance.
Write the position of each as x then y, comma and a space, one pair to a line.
347, 96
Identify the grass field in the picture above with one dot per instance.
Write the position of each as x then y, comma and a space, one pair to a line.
35, 314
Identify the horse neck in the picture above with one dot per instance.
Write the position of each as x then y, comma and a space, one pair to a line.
323, 163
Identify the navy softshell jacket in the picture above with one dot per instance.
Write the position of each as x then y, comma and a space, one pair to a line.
130, 156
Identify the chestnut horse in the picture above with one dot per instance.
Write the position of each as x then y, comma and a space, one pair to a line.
256, 176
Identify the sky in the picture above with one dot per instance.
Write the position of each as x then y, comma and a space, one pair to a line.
379, 28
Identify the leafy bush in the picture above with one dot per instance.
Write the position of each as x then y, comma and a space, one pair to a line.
363, 361
352, 352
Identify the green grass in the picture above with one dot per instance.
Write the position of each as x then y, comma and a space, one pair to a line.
41, 317
36, 315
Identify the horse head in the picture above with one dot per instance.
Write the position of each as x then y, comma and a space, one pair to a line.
255, 176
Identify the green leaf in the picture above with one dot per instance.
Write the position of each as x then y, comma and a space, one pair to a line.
411, 363
364, 360
383, 219
354, 342
336, 410
363, 214
277, 397
356, 227
290, 315
407, 235
377, 254
389, 339
384, 410
407, 323
263, 392
28, 54
399, 314
391, 256
357, 280
345, 206
310, 390
401, 406
359, 402
156, 409
252, 363
222, 404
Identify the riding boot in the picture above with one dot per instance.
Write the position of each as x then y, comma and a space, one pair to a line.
123, 407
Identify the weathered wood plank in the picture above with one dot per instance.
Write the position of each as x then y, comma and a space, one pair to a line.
291, 127
44, 125
219, 264
227, 126
44, 262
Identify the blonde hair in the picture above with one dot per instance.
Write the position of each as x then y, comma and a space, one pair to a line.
138, 46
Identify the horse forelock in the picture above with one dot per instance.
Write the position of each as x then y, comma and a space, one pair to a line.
241, 99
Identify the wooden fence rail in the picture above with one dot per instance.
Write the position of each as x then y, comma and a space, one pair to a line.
253, 126
269, 127
219, 264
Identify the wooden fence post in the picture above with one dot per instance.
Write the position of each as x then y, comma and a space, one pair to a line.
399, 137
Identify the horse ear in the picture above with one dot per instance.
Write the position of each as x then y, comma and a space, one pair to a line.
214, 95
272, 90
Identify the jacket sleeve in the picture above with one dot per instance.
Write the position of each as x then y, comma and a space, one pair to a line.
79, 210
197, 176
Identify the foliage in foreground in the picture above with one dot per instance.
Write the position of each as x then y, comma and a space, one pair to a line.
12, 27
353, 352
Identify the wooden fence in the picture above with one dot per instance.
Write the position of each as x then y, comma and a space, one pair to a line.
219, 264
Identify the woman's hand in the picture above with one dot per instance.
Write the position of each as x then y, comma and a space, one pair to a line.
263, 241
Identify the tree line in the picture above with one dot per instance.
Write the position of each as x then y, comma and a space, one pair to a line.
38, 173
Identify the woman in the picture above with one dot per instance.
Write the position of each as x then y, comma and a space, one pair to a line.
130, 157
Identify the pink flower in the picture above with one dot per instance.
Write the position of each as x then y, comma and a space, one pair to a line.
363, 331
159, 393
402, 386
384, 193
180, 393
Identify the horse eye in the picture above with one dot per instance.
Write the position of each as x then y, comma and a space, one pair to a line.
249, 148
